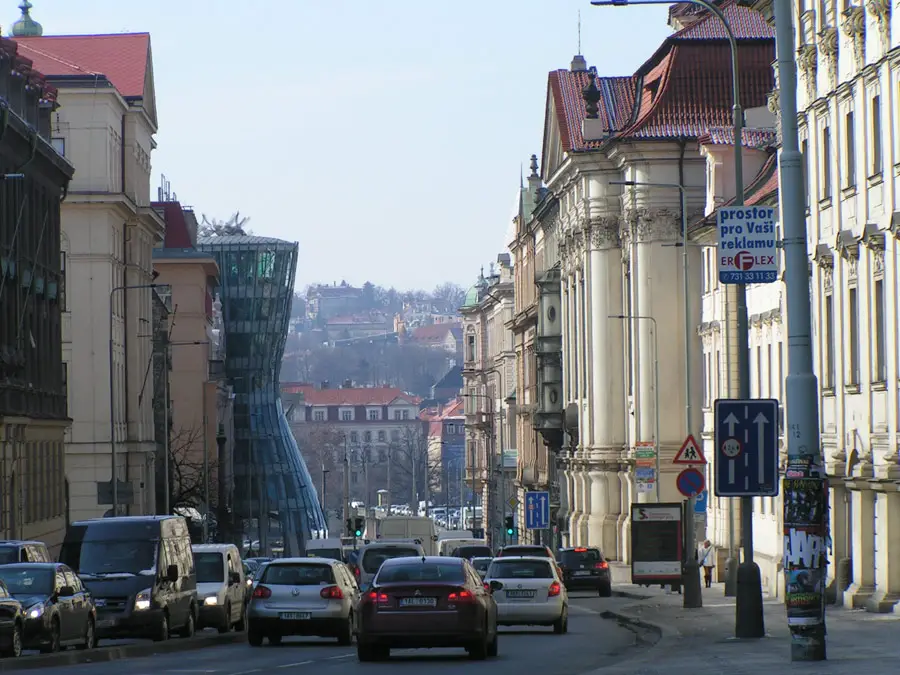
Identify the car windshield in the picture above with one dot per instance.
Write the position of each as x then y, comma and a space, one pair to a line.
580, 557
297, 575
372, 559
28, 581
481, 565
210, 568
110, 557
330, 553
419, 571
472, 551
520, 569
9, 554
540, 552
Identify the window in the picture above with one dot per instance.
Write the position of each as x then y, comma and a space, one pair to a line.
470, 347
825, 188
382, 436
347, 415
877, 158
850, 143
780, 386
759, 372
373, 414
59, 144
319, 415
771, 374
804, 165
395, 435
65, 381
880, 374
62, 281
828, 342
367, 437
405, 414
705, 366
354, 437
853, 328
396, 414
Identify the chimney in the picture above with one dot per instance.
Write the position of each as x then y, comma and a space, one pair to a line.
324, 385
579, 64
348, 384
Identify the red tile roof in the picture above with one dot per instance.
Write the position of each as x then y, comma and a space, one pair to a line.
751, 138
351, 397
681, 91
436, 332
122, 58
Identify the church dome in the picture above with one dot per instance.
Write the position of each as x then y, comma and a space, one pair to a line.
471, 297
26, 26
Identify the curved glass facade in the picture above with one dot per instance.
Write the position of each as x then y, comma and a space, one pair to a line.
272, 483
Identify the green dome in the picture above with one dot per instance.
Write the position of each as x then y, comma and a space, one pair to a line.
471, 297
26, 26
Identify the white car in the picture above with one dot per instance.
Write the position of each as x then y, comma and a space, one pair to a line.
221, 586
303, 596
528, 592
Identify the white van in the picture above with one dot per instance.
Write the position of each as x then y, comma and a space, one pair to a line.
325, 548
221, 586
408, 528
447, 546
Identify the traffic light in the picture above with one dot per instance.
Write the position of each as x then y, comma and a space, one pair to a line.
359, 526
510, 525
348, 525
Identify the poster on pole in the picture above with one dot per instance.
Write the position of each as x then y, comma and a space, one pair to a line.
656, 543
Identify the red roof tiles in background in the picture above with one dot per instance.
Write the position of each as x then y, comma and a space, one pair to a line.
758, 139
435, 332
351, 397
122, 58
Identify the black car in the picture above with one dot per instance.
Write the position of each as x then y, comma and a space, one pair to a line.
12, 624
470, 551
58, 610
585, 568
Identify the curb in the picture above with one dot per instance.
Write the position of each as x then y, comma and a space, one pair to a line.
73, 657
630, 595
632, 622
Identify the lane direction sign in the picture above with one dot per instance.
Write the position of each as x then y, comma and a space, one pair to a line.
748, 247
537, 510
746, 443
690, 453
691, 482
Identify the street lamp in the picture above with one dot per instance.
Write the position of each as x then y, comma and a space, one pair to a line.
754, 628
114, 478
634, 317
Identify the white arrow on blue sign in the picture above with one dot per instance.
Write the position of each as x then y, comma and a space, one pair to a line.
748, 245
537, 510
746, 441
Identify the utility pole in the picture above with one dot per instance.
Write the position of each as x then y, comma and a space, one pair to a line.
804, 480
325, 473
346, 482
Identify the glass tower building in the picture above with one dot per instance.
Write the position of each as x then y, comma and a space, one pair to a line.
272, 484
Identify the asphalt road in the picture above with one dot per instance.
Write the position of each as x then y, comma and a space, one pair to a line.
592, 642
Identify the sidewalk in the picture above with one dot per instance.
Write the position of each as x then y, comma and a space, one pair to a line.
858, 643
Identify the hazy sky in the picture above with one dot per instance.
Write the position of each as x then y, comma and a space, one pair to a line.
385, 137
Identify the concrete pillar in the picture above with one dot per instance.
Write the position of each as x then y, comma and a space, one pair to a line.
626, 485
887, 552
584, 489
839, 497
862, 540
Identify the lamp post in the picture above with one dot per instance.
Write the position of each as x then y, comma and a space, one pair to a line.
749, 614
114, 478
635, 317
693, 596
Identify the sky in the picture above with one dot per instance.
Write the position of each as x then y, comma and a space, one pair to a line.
387, 138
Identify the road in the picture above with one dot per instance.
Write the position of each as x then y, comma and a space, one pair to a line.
592, 642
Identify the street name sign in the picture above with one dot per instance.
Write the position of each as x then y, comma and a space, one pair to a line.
537, 510
746, 441
748, 245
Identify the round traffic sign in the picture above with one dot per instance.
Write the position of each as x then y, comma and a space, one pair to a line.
690, 482
731, 448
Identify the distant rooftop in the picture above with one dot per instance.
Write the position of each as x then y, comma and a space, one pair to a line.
242, 240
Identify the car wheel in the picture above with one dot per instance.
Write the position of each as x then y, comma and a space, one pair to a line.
492, 645
345, 639
364, 653
90, 636
162, 632
274, 639
255, 638
14, 649
54, 644
187, 630
561, 625
241, 625
479, 650
606, 591
226, 626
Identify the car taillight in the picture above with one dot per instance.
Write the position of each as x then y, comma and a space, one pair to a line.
601, 565
554, 589
580, 550
376, 597
487, 587
332, 593
460, 596
262, 592
356, 571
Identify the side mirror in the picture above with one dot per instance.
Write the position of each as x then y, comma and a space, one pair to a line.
496, 586
235, 578
66, 592
172, 573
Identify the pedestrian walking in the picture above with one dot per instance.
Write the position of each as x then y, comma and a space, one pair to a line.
707, 560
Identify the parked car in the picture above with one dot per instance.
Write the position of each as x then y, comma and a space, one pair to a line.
584, 567
12, 624
529, 592
58, 610
427, 602
14, 551
303, 596
221, 587
140, 570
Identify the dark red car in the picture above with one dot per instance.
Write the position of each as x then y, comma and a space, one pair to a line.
427, 602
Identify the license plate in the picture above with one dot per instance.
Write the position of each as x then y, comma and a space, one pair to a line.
520, 594
294, 616
418, 602
586, 573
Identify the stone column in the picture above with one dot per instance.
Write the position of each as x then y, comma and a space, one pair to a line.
626, 498
572, 493
887, 563
862, 542
585, 500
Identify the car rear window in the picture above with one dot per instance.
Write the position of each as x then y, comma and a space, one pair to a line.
481, 565
372, 559
590, 555
472, 552
520, 569
297, 575
331, 553
418, 572
525, 550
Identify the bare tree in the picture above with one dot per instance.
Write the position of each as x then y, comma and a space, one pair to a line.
322, 447
213, 227
187, 473
449, 296
411, 470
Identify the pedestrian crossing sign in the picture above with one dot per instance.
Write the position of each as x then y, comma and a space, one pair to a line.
690, 452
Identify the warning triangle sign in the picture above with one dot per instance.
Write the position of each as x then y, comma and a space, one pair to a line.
690, 452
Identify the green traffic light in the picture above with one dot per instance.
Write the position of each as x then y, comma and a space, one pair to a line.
358, 533
509, 531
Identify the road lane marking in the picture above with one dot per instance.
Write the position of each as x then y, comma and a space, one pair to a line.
247, 672
299, 663
342, 656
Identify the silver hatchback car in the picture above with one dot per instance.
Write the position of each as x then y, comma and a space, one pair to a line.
303, 596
